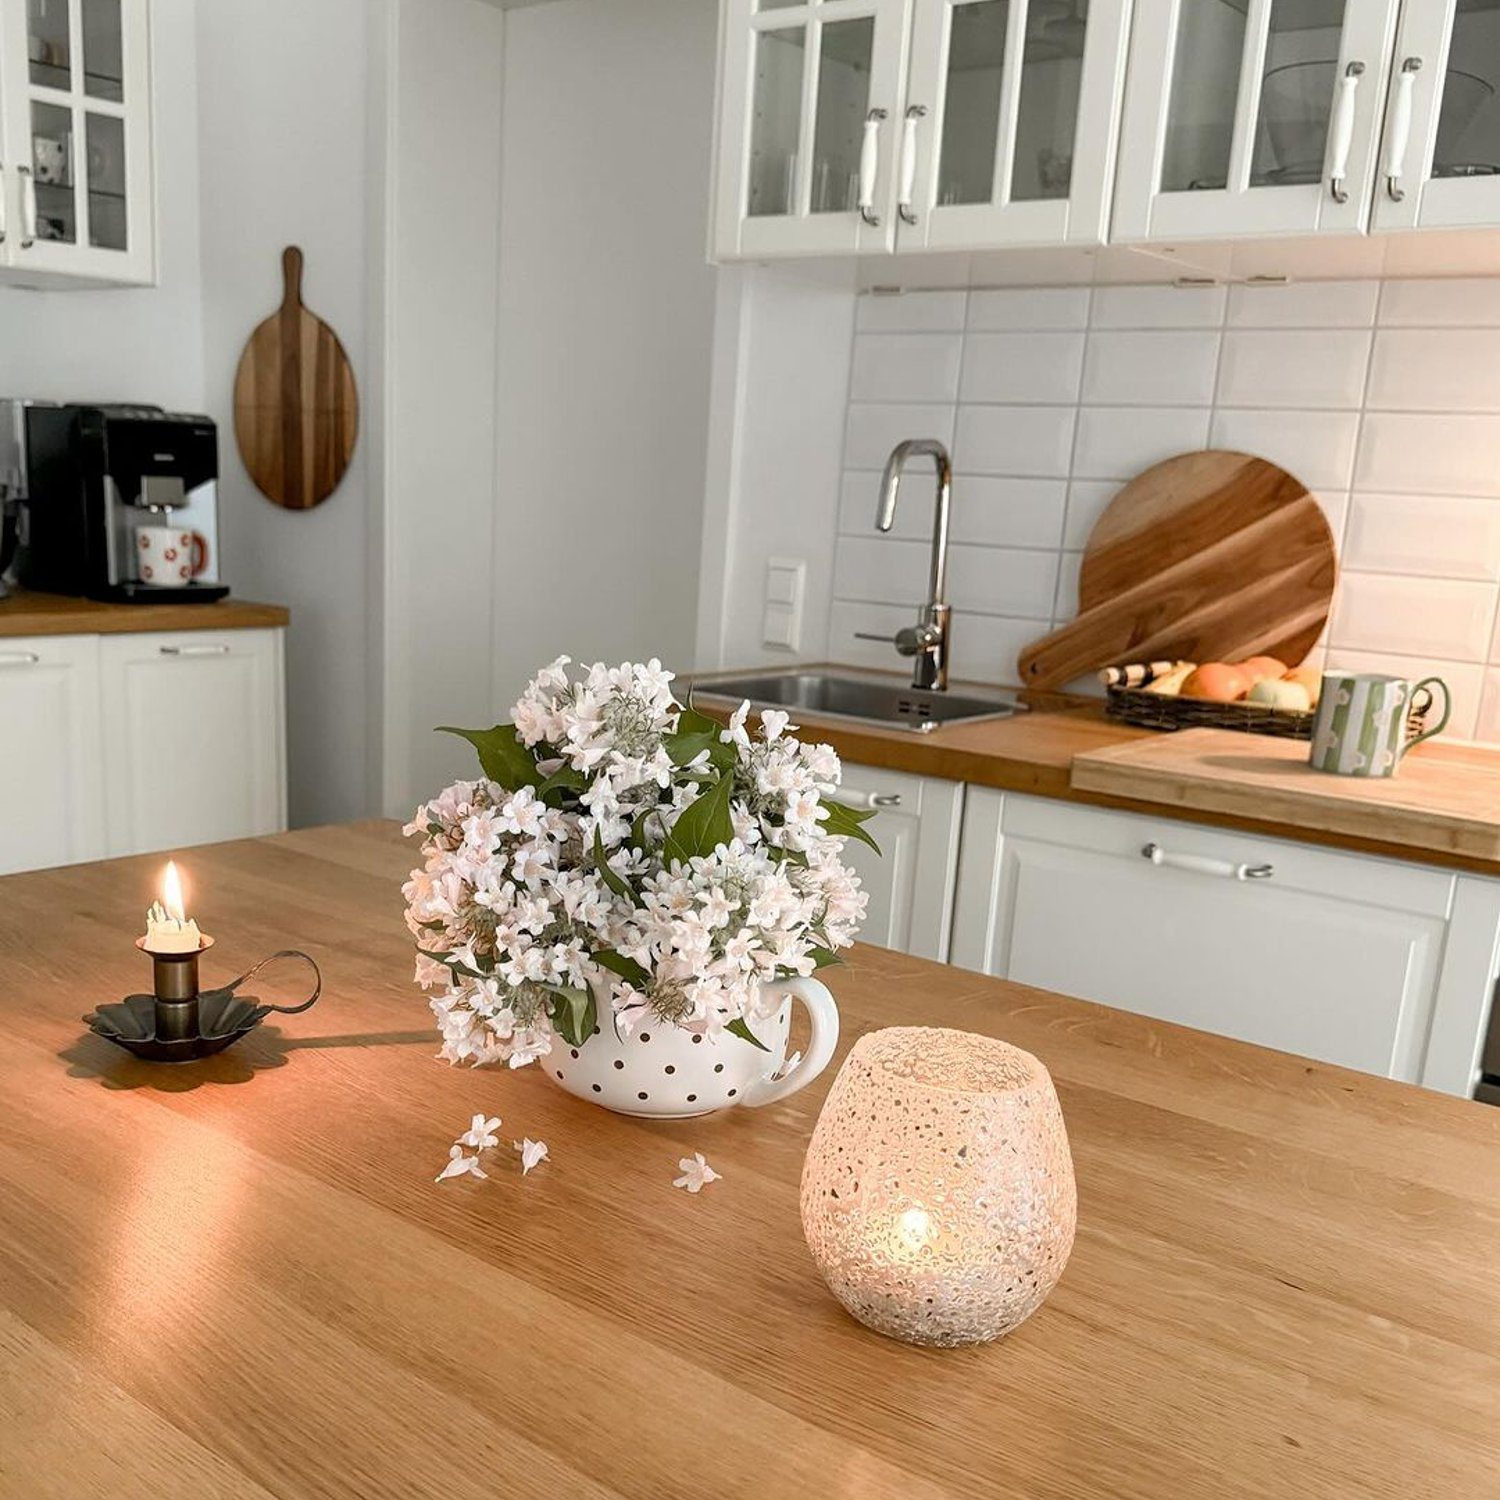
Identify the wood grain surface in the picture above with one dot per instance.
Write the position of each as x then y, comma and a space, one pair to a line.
1451, 803
1211, 556
25, 613
296, 413
239, 1279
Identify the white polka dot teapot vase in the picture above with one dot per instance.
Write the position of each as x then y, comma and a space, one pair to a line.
662, 1072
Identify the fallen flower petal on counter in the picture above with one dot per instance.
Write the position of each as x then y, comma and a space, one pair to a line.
532, 1152
696, 1173
459, 1165
481, 1132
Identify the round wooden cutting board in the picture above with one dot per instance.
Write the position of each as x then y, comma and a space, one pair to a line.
1210, 556
296, 412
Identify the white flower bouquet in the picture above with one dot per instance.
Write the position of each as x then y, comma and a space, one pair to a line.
622, 845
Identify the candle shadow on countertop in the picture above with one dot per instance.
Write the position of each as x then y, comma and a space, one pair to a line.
90, 1056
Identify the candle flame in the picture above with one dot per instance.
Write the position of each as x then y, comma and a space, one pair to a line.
171, 893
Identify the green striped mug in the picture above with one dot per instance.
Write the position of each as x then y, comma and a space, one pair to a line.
1362, 728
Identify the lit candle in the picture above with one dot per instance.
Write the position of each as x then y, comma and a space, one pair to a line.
168, 929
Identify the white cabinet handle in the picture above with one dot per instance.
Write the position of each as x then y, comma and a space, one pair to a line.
28, 207
19, 658
1395, 161
1199, 865
1343, 131
869, 166
219, 649
873, 800
909, 162
2, 202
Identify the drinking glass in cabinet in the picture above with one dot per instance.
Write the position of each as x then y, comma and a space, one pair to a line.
843, 102
780, 56
1468, 133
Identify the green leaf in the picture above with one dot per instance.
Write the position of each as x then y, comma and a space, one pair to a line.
638, 828
627, 968
565, 779
738, 1027
823, 957
702, 826
502, 756
844, 822
681, 748
706, 732
573, 1015
612, 878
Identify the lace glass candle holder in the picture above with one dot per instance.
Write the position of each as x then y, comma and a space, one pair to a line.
937, 1197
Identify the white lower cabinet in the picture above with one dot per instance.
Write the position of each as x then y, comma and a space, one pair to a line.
51, 767
1366, 962
911, 882
120, 744
194, 744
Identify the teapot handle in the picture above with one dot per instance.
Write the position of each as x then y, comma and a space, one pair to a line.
824, 1015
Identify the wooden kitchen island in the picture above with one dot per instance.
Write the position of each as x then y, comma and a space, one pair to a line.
237, 1278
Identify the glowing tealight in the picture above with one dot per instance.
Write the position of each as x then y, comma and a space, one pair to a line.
168, 928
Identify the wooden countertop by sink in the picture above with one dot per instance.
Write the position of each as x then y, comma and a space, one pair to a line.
238, 1277
25, 613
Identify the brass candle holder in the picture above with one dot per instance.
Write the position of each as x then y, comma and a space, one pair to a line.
179, 1022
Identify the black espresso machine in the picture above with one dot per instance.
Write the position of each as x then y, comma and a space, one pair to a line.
97, 486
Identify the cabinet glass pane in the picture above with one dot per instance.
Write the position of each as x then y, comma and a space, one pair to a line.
1468, 136
780, 4
52, 169
776, 121
1047, 114
1205, 85
1298, 82
49, 48
843, 101
103, 55
971, 102
106, 179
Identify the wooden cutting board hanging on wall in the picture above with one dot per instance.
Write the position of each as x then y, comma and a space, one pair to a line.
296, 412
1211, 556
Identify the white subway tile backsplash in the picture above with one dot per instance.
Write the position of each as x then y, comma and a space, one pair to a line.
873, 430
1157, 307
911, 312
1440, 617
1001, 512
1294, 368
905, 367
1463, 302
1117, 442
1385, 401
1435, 369
1021, 441
1316, 446
1436, 454
1015, 308
1139, 368
1305, 304
1022, 367
1438, 538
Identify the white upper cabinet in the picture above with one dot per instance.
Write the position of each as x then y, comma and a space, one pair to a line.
1440, 158
1008, 135
809, 103
75, 142
1252, 117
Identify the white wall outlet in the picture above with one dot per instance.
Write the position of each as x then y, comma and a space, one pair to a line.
786, 583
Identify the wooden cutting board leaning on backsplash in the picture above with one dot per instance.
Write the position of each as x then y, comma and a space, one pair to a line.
296, 412
1209, 556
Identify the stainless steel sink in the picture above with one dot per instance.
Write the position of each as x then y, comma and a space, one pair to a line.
863, 700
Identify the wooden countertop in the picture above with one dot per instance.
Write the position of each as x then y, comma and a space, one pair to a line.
238, 1277
25, 613
1034, 752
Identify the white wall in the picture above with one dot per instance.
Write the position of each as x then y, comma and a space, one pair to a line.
144, 344
438, 236
605, 332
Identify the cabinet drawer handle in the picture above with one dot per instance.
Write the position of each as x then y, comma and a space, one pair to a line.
909, 162
219, 649
2, 202
1343, 131
19, 658
28, 207
1395, 162
873, 800
1200, 865
869, 166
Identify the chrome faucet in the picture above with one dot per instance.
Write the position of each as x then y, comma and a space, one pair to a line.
928, 640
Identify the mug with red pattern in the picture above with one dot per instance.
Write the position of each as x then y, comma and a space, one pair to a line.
169, 556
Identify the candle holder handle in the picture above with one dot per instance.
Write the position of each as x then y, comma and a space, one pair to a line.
284, 1010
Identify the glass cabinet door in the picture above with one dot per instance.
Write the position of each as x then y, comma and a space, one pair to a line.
1008, 133
1440, 159
807, 127
79, 112
1252, 116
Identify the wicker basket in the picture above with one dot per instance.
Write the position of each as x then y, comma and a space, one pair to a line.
1163, 711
